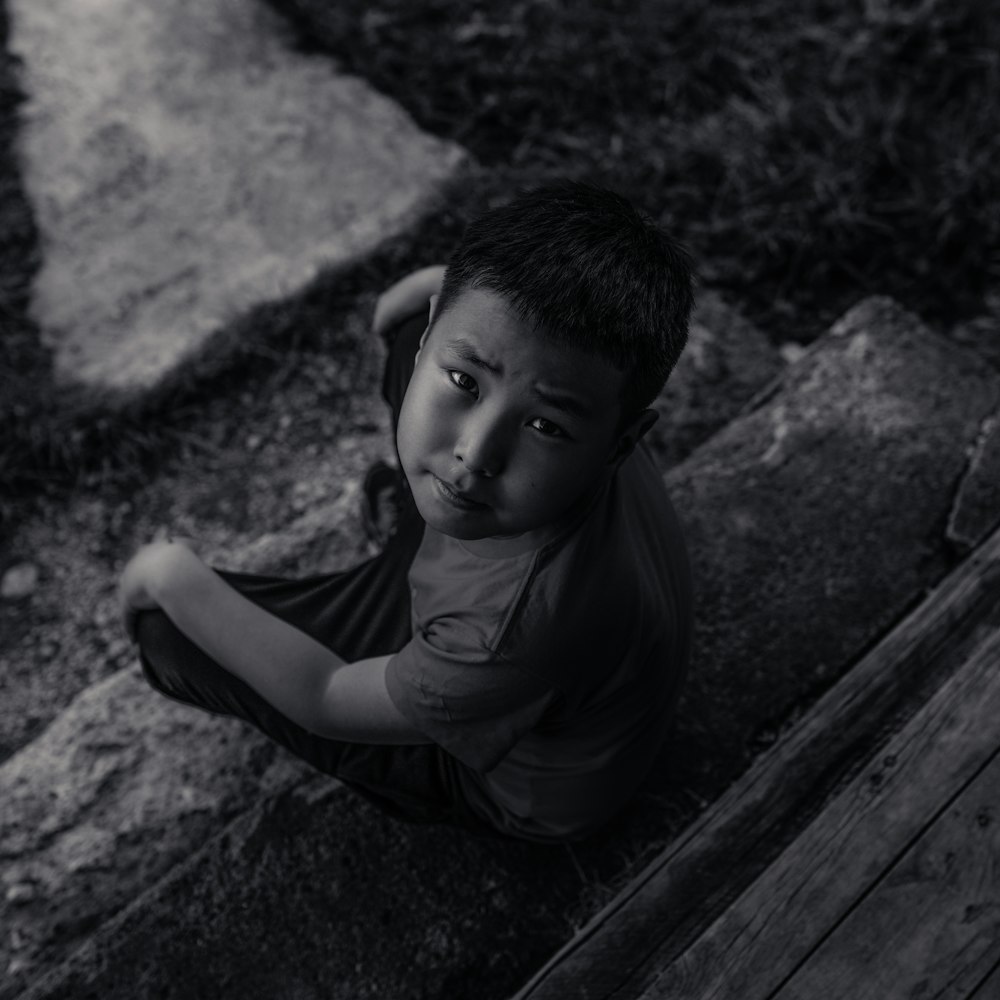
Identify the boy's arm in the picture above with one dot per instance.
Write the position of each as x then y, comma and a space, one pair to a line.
407, 296
300, 677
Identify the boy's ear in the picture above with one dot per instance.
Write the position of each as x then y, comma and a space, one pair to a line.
420, 346
430, 323
633, 433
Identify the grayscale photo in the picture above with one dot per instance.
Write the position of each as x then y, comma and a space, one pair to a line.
499, 502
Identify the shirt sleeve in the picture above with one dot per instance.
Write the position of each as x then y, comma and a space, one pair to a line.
472, 702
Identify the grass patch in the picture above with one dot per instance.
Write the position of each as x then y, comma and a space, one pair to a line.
809, 154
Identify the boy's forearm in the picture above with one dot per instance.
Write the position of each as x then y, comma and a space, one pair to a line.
407, 296
284, 665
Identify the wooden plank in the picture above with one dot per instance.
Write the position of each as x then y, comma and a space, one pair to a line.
762, 938
931, 928
671, 900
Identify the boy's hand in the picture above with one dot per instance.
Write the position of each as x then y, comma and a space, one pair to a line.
144, 574
407, 296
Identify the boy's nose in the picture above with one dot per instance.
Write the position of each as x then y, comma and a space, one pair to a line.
481, 447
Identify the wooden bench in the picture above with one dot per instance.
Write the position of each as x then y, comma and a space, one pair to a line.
859, 858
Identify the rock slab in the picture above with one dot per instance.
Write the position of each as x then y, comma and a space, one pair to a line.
185, 164
117, 764
725, 363
815, 519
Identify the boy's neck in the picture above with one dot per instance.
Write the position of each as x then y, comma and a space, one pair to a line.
507, 547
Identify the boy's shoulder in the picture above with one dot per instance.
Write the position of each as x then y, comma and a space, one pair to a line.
622, 570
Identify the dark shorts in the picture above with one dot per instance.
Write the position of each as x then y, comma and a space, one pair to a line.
359, 613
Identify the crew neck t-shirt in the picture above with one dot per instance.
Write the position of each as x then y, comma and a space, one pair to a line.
551, 674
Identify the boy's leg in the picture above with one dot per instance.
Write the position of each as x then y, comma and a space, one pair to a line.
409, 782
359, 613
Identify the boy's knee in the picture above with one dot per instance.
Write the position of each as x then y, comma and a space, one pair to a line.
174, 666
163, 649
154, 632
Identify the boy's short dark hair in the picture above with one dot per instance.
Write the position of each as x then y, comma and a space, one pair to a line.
580, 264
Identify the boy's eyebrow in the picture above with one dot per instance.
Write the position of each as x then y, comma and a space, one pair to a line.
568, 404
467, 352
561, 401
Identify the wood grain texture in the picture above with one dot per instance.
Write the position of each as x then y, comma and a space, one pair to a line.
652, 920
931, 927
763, 937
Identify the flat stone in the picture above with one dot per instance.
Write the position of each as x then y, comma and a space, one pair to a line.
132, 783
816, 518
185, 164
725, 363
813, 520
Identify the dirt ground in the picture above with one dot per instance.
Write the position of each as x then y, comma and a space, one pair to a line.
249, 470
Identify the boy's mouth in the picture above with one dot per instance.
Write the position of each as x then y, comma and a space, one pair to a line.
455, 497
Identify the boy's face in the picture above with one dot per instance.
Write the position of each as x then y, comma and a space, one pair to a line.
502, 430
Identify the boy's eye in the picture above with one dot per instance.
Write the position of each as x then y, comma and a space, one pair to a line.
465, 382
547, 428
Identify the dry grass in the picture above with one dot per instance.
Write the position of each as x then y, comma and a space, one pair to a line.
810, 152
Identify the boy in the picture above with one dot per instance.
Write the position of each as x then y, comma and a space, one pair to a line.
509, 661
